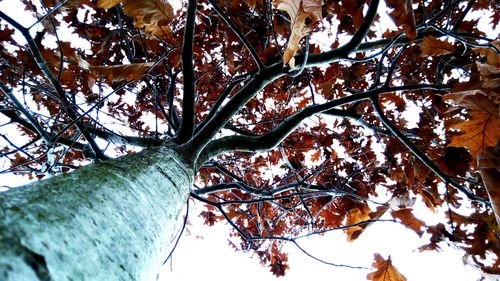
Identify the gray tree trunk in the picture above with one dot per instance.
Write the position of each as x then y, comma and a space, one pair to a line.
115, 220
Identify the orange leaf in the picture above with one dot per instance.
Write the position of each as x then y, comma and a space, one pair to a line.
316, 156
126, 72
403, 16
152, 15
409, 220
431, 46
357, 215
385, 271
107, 4
299, 11
480, 131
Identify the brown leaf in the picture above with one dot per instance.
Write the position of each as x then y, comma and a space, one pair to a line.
403, 16
125, 72
431, 46
355, 216
6, 34
491, 56
152, 15
455, 161
409, 220
480, 131
489, 165
299, 11
385, 271
313, 7
474, 100
490, 75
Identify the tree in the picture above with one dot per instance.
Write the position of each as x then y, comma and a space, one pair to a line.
286, 118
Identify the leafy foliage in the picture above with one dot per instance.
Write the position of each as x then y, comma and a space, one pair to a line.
309, 116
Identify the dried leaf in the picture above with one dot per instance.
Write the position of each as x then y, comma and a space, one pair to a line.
299, 11
403, 16
490, 75
480, 131
385, 271
409, 220
431, 46
491, 56
313, 7
107, 4
489, 165
473, 100
455, 161
125, 72
355, 216
152, 15
358, 215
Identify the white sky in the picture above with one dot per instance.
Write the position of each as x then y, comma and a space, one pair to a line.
204, 253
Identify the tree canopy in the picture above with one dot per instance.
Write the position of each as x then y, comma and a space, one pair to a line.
302, 116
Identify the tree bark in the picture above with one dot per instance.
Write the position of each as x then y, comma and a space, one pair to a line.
115, 220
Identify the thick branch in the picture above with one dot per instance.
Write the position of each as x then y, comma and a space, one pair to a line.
222, 97
274, 137
188, 100
273, 72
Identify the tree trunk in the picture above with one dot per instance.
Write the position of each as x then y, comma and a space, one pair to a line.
115, 220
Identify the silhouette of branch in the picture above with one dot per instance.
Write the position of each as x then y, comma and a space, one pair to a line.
42, 64
419, 154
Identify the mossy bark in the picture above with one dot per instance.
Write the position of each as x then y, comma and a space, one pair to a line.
115, 220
